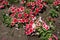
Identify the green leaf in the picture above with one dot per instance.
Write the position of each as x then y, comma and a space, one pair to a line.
13, 1
49, 1
48, 35
20, 25
7, 19
44, 29
53, 13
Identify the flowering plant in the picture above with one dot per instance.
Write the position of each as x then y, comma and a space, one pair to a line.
27, 15
3, 4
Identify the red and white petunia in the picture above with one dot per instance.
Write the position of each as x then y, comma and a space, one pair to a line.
40, 19
45, 26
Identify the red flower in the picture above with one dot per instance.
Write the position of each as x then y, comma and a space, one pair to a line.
12, 23
55, 3
28, 4
30, 13
21, 20
44, 3
15, 20
18, 10
50, 38
32, 16
27, 26
25, 15
19, 15
31, 22
45, 26
21, 8
22, 2
12, 9
28, 32
33, 7
36, 10
1, 6
31, 30
26, 20
39, 1
5, 2
13, 14
40, 6
59, 2
55, 37
33, 3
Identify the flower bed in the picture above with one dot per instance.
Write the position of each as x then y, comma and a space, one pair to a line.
27, 16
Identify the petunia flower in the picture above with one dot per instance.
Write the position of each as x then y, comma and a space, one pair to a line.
29, 4
13, 15
21, 20
34, 18
55, 37
33, 25
29, 31
41, 6
19, 15
4, 2
27, 26
26, 20
32, 3
15, 20
1, 6
36, 11
31, 22
18, 9
26, 15
21, 8
55, 3
12, 23
50, 38
45, 26
30, 28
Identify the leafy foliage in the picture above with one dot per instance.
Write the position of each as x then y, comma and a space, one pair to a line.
53, 13
13, 1
49, 1
57, 8
7, 20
